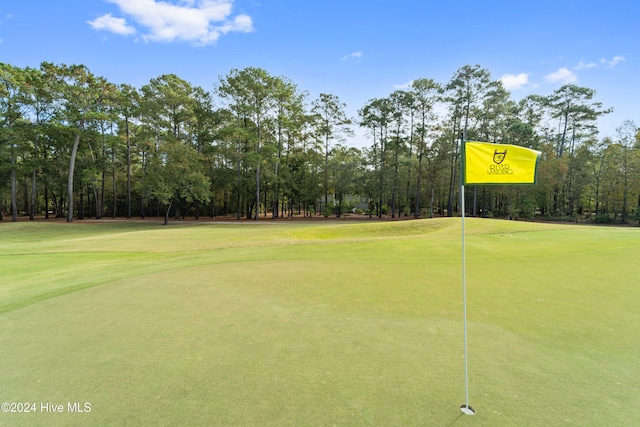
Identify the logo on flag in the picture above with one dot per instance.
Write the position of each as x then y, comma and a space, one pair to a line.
487, 163
499, 157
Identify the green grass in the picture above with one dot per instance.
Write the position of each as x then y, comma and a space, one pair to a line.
275, 324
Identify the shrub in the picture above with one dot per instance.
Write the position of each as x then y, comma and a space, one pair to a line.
327, 211
603, 219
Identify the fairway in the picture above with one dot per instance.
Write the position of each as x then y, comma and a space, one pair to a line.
318, 324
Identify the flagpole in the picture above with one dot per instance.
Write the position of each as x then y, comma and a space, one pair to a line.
519, 169
466, 409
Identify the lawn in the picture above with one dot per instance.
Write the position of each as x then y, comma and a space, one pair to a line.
328, 323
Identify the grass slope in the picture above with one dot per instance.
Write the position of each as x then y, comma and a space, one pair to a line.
319, 324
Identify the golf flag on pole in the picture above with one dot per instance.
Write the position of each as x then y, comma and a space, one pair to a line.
488, 163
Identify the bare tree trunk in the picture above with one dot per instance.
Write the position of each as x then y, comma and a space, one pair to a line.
431, 204
475, 200
395, 180
32, 205
128, 207
416, 211
326, 170
46, 200
115, 199
14, 198
166, 215
72, 166
255, 218
102, 193
451, 186
238, 183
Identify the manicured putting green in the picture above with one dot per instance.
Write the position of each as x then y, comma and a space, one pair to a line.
318, 323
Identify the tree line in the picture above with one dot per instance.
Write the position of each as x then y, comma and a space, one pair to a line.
74, 145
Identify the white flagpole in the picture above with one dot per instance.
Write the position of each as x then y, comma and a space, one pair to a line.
466, 409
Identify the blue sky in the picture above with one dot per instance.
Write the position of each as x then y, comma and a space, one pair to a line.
354, 49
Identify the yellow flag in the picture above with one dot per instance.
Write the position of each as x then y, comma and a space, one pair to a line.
487, 163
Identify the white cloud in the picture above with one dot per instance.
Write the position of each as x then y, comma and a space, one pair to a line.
5, 17
352, 55
609, 63
563, 75
403, 86
582, 65
114, 25
514, 81
198, 21
613, 62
